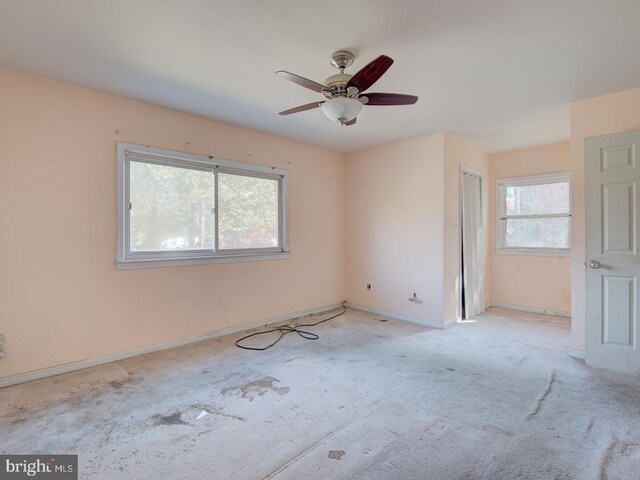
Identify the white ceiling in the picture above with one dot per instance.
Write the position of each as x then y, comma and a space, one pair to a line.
498, 72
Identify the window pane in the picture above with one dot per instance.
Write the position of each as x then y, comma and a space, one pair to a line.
538, 233
248, 212
172, 208
537, 199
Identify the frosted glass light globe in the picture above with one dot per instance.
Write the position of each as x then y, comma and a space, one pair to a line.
342, 109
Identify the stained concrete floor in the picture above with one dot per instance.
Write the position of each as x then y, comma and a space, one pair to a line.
373, 398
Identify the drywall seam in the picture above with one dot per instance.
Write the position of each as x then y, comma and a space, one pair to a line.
114, 357
399, 316
524, 308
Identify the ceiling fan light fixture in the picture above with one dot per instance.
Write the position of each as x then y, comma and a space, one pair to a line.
342, 109
344, 91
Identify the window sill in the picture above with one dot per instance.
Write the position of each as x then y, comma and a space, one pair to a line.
175, 262
533, 252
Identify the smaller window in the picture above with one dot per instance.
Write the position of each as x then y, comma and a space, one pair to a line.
534, 215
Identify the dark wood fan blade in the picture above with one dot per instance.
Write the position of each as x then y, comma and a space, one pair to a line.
351, 122
369, 74
304, 82
302, 108
390, 99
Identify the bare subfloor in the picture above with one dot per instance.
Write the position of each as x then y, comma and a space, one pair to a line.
373, 398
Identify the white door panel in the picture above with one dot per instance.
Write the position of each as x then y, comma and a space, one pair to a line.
472, 248
613, 266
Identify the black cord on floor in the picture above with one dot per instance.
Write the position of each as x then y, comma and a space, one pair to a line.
285, 329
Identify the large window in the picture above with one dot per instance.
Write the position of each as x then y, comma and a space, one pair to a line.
534, 215
178, 209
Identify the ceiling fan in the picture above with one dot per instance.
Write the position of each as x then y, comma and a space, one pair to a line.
344, 92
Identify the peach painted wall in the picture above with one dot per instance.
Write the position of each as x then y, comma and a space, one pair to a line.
394, 227
456, 154
62, 298
613, 113
529, 281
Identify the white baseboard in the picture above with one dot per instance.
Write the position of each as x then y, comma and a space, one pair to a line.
400, 316
576, 353
523, 308
451, 322
114, 357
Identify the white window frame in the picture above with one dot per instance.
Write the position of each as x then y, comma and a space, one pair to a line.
126, 259
501, 216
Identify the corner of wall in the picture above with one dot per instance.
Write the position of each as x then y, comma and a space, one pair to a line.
394, 227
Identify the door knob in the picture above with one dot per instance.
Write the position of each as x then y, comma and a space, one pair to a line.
594, 264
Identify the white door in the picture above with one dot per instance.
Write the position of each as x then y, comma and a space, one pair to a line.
612, 262
472, 248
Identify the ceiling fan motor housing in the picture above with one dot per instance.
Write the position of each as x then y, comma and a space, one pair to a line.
337, 80
336, 84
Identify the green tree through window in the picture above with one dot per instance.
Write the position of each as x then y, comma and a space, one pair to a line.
172, 208
534, 213
182, 208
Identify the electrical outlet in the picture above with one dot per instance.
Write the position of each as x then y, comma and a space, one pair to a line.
1, 344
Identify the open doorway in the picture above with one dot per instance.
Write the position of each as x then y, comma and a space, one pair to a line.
471, 243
